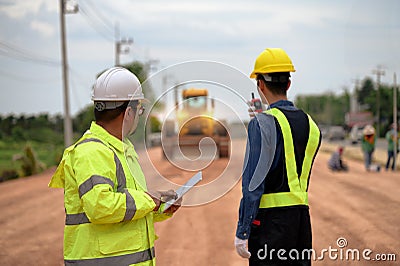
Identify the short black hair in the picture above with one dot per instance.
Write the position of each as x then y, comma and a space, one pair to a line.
108, 115
279, 83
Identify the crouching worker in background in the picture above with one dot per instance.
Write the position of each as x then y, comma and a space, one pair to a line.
336, 163
109, 213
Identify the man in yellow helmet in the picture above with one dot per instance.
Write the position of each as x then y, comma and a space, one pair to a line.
109, 213
274, 222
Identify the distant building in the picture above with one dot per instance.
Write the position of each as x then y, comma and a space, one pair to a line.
358, 118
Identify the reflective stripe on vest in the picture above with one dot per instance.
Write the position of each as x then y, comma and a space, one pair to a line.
128, 259
81, 218
298, 187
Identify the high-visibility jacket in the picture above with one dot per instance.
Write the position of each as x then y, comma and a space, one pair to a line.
109, 217
297, 194
368, 143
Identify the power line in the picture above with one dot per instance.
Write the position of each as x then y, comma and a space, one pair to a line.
27, 79
75, 93
121, 45
77, 75
97, 12
27, 59
14, 52
95, 25
27, 54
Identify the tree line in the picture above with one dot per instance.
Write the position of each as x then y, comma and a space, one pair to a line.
330, 109
327, 109
23, 137
46, 131
49, 128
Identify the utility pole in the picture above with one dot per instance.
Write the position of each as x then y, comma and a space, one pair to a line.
378, 72
395, 126
67, 116
120, 44
354, 105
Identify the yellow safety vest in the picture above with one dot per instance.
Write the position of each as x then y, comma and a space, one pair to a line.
298, 186
109, 217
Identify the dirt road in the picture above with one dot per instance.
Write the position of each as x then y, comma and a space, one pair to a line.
361, 207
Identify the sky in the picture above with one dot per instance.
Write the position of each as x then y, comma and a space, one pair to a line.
331, 43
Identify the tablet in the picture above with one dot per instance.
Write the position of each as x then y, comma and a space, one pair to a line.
184, 189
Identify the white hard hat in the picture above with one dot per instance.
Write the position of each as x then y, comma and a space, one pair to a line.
115, 86
369, 130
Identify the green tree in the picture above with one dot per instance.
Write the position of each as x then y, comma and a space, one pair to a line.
326, 108
19, 133
366, 95
386, 110
42, 120
58, 123
330, 109
82, 120
155, 124
7, 124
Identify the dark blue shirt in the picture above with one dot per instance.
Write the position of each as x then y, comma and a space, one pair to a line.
251, 199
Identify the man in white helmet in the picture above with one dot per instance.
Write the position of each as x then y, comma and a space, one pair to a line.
109, 213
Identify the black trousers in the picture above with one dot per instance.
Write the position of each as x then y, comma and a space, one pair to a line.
281, 236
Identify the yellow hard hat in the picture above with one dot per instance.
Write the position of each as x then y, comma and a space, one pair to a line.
272, 60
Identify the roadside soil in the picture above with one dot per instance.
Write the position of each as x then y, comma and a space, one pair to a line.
360, 206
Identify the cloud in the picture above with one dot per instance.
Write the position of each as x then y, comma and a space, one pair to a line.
18, 9
230, 18
329, 42
43, 28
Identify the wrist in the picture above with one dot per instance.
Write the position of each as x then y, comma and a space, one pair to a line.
152, 202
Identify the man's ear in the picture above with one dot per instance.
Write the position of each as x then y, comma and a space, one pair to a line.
288, 84
128, 112
263, 87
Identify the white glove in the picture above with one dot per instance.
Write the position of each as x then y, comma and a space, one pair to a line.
252, 109
241, 248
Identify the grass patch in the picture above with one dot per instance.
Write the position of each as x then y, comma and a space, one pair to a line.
48, 153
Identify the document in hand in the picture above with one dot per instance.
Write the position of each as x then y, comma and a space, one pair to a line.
184, 189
